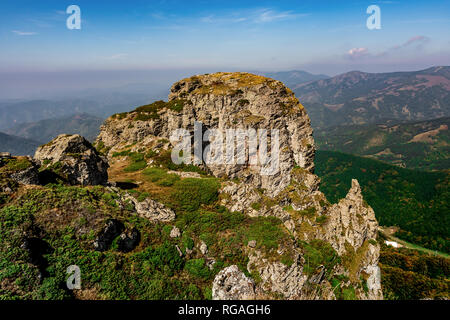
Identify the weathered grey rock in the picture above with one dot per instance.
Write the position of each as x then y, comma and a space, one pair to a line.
286, 281
353, 219
175, 232
27, 176
232, 284
151, 209
252, 243
75, 159
203, 248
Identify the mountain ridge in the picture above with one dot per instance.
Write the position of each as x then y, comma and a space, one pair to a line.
45, 130
17, 145
357, 97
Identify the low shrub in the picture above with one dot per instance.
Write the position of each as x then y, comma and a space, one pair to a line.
198, 268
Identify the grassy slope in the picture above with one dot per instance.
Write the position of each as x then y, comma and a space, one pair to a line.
415, 201
63, 221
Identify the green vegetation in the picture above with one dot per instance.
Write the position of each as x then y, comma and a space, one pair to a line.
410, 274
161, 177
318, 253
415, 201
163, 159
190, 193
14, 165
151, 111
198, 268
137, 161
342, 288
67, 219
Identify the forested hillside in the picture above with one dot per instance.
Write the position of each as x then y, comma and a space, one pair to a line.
415, 201
423, 145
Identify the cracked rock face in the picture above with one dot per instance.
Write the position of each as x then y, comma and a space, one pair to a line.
75, 159
233, 284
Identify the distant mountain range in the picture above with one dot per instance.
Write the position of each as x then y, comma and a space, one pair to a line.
45, 130
101, 105
358, 97
417, 145
17, 145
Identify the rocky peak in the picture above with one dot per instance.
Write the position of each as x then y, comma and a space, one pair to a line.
224, 101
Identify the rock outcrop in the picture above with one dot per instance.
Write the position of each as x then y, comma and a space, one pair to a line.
224, 101
233, 284
150, 209
74, 159
23, 170
27, 176
345, 231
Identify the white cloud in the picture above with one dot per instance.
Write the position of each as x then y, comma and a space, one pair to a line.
24, 33
254, 16
267, 15
356, 53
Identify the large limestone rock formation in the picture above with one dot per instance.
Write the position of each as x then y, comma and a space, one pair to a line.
75, 159
345, 231
225, 101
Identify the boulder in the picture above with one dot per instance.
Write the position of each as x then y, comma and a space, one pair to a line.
203, 248
74, 159
223, 101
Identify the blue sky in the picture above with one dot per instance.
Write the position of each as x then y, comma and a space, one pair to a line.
318, 36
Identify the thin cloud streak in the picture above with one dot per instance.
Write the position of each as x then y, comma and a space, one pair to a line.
24, 33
